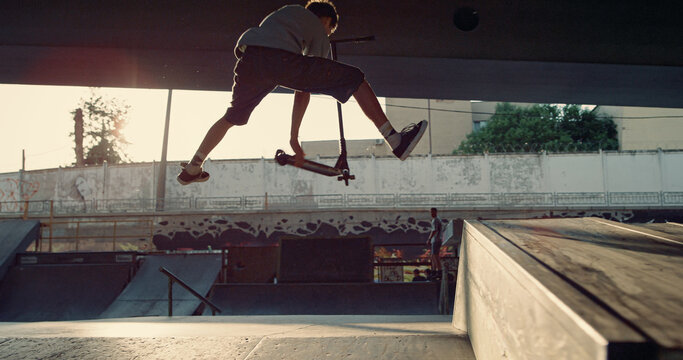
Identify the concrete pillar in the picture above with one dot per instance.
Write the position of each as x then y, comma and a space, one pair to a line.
486, 172
545, 171
662, 173
605, 179
161, 186
264, 178
375, 188
431, 172
662, 185
105, 181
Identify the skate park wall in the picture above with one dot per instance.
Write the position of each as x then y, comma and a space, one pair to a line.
82, 188
513, 173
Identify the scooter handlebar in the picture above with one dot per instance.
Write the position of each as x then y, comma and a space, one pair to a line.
354, 40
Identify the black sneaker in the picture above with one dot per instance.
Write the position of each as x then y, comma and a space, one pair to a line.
186, 178
410, 136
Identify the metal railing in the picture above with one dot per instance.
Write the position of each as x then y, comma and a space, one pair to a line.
94, 235
171, 279
578, 199
341, 201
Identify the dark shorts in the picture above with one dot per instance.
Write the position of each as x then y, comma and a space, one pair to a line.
436, 247
260, 70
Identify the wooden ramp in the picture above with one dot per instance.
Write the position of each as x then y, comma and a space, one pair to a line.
571, 289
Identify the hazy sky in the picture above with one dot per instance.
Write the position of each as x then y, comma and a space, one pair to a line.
38, 119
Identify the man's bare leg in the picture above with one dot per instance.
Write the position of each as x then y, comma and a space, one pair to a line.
401, 145
367, 100
436, 262
212, 138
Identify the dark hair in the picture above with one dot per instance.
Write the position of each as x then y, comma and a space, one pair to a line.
433, 209
324, 8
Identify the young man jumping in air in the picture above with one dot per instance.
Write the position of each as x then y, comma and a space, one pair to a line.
290, 49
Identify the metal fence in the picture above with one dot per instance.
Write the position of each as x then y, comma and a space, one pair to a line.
343, 201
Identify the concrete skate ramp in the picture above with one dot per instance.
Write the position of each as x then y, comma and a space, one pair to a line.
147, 293
15, 236
376, 337
669, 229
570, 289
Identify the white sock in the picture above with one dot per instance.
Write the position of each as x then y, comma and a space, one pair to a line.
392, 137
195, 165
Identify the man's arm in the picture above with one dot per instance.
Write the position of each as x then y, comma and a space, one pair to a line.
431, 234
301, 100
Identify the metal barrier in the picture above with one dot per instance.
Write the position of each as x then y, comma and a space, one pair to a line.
21, 207
341, 201
385, 269
220, 203
635, 198
481, 199
101, 234
321, 201
385, 266
581, 199
672, 198
420, 199
370, 200
526, 199
142, 205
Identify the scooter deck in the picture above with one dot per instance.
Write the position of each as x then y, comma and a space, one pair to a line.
284, 159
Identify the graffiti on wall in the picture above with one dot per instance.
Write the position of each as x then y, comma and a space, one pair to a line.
11, 192
202, 231
82, 192
83, 189
199, 232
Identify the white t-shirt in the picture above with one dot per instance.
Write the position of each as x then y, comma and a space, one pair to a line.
436, 226
292, 28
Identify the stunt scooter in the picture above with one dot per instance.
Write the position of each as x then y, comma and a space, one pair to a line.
341, 168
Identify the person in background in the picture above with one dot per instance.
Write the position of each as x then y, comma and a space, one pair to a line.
434, 241
417, 276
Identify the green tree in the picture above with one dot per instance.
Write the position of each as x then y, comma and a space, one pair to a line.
542, 127
103, 122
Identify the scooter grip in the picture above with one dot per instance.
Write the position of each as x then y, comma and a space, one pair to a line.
282, 158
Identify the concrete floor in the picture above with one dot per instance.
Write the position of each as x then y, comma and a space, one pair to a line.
239, 337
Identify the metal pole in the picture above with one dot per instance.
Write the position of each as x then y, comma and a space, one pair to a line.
429, 124
224, 265
78, 230
151, 234
114, 238
161, 180
170, 297
342, 140
172, 278
21, 175
52, 217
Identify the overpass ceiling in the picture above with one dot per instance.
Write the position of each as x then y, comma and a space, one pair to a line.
593, 52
